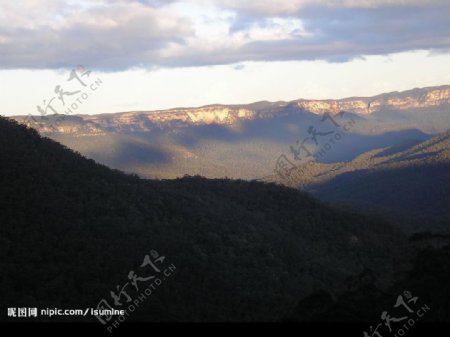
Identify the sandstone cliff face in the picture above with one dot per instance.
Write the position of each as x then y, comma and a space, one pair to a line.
227, 115
419, 98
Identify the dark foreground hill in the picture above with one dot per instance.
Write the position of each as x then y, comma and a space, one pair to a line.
426, 281
72, 232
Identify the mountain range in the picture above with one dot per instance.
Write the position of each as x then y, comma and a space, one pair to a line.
145, 121
264, 251
237, 250
244, 141
389, 144
72, 230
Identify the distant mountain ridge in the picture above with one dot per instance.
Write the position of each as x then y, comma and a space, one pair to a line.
144, 121
244, 141
433, 151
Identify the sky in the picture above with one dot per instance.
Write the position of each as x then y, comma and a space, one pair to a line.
140, 55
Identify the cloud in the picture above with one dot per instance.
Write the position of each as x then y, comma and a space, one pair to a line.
110, 35
118, 34
292, 7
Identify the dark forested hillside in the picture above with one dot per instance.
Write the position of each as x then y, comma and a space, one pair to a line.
414, 180
71, 231
411, 178
426, 280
